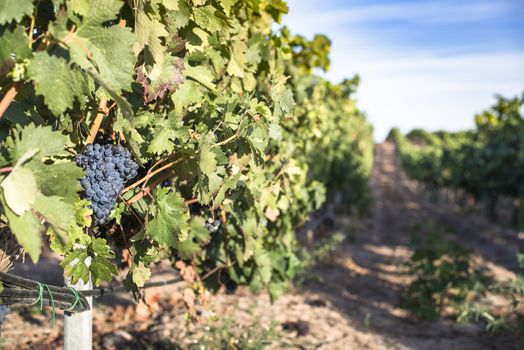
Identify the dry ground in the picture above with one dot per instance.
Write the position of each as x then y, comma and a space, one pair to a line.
350, 301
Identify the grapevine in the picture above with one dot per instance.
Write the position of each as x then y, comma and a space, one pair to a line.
485, 163
208, 113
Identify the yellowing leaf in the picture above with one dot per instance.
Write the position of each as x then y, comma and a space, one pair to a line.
20, 190
27, 230
141, 274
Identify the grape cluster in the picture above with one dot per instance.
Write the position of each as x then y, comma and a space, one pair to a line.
107, 169
213, 225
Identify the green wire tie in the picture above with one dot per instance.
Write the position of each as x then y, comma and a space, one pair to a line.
41, 287
77, 299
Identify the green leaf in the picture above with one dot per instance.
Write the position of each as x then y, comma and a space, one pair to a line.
125, 107
199, 235
227, 5
59, 83
80, 7
201, 74
107, 50
205, 18
141, 274
172, 4
14, 45
169, 225
28, 232
196, 39
187, 95
102, 269
41, 139
148, 32
14, 10
91, 259
258, 139
56, 212
264, 266
208, 162
179, 17
237, 61
75, 266
58, 179
284, 101
277, 289
162, 142
20, 190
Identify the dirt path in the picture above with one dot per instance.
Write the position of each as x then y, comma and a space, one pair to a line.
365, 279
348, 302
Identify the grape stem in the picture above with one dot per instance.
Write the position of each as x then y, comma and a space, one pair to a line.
191, 201
31, 30
6, 169
149, 175
147, 190
100, 114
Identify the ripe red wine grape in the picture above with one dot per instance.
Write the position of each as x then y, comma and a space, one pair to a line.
107, 168
214, 225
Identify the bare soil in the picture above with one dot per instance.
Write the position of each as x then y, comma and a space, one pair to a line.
349, 301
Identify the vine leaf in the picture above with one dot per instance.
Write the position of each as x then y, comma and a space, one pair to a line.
208, 162
149, 32
169, 225
13, 45
22, 201
102, 269
186, 95
141, 274
163, 141
75, 266
56, 212
79, 264
164, 78
20, 190
237, 62
197, 39
28, 232
199, 235
37, 138
58, 179
95, 46
201, 74
14, 10
59, 83
227, 5
205, 18
179, 16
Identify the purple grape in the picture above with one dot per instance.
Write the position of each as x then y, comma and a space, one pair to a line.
107, 168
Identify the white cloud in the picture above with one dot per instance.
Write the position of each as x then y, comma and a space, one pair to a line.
410, 86
431, 92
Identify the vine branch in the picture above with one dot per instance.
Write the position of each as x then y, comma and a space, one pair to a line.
147, 190
100, 114
6, 169
9, 97
150, 174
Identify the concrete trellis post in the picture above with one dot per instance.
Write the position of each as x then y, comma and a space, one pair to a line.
78, 327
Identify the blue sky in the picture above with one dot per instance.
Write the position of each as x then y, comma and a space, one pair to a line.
426, 63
